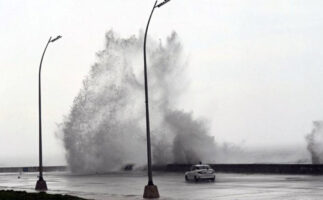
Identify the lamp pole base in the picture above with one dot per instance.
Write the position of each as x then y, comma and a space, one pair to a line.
151, 192
41, 185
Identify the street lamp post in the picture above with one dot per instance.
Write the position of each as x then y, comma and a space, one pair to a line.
41, 183
151, 190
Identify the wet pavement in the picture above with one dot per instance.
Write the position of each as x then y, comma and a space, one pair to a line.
130, 185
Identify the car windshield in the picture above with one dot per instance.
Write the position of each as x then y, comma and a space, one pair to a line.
196, 167
203, 167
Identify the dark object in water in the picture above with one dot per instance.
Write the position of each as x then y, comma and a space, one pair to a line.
128, 167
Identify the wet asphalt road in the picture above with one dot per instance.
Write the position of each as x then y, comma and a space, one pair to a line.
130, 185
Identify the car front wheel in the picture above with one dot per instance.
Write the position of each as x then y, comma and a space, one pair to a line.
186, 178
196, 178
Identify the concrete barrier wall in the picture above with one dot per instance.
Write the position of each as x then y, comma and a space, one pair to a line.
223, 168
31, 169
253, 168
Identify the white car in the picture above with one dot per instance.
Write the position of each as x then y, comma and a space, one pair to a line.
200, 172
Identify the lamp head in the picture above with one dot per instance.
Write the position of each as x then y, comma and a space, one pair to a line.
58, 37
162, 3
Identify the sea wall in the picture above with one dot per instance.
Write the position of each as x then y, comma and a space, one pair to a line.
31, 169
313, 169
252, 168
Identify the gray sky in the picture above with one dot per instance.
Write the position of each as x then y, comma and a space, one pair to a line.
255, 66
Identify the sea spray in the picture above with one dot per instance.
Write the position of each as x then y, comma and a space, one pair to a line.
315, 142
106, 125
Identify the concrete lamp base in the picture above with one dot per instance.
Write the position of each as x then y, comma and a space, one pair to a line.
41, 185
151, 192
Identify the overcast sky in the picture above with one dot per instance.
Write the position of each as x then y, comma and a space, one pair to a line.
255, 66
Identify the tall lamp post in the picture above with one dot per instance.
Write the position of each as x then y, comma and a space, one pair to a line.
41, 183
151, 190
